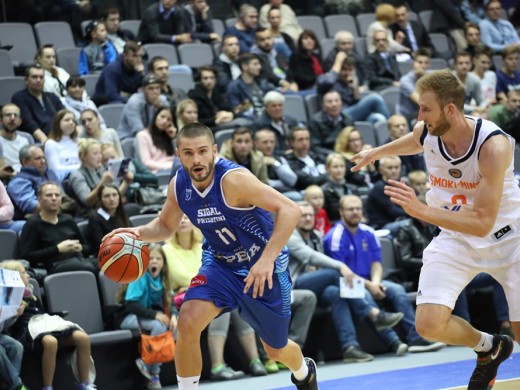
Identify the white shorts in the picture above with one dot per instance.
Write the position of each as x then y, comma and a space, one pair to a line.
449, 264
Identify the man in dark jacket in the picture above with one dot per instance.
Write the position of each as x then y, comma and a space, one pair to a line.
199, 21
382, 69
164, 22
115, 34
410, 33
226, 62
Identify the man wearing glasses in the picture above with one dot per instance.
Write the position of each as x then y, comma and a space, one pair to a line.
10, 141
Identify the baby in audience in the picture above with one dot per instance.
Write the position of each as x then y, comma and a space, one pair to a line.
314, 195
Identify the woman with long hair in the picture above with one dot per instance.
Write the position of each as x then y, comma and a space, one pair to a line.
109, 216
306, 63
61, 149
187, 112
92, 128
156, 143
55, 77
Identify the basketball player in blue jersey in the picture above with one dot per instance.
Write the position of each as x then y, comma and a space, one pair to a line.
475, 200
244, 261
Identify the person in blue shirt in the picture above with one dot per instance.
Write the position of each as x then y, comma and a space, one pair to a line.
244, 260
245, 27
497, 33
356, 245
98, 52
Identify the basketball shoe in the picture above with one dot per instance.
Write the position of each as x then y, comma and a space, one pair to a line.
309, 383
484, 375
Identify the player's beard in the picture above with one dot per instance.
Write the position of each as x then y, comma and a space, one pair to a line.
200, 179
441, 127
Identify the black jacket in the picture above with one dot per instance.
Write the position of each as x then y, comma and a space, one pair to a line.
380, 209
154, 29
302, 70
324, 132
305, 179
378, 76
208, 106
265, 122
421, 35
332, 193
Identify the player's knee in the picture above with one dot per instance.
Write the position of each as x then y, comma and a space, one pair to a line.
273, 353
429, 325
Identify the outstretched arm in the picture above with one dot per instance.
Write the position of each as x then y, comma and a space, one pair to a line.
404, 146
495, 157
243, 189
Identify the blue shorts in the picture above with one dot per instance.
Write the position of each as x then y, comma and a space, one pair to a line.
269, 315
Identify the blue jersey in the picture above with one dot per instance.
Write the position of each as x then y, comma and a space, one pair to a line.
234, 236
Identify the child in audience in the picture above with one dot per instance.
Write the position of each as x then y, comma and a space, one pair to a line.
99, 52
314, 195
148, 302
41, 332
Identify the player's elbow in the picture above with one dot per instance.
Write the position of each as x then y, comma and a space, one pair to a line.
484, 227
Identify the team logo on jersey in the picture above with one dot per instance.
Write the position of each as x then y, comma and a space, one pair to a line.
188, 195
456, 173
198, 280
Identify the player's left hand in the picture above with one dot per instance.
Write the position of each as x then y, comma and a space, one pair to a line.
259, 273
403, 195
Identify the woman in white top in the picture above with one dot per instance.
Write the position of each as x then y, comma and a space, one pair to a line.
61, 149
91, 128
155, 144
77, 99
385, 16
55, 77
488, 78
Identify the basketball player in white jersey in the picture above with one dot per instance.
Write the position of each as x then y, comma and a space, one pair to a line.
475, 201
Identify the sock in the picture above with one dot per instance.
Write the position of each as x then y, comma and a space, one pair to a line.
302, 373
188, 383
485, 344
217, 368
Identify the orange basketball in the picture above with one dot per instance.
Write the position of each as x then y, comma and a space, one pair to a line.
123, 258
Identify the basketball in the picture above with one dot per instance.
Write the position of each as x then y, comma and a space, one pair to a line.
123, 258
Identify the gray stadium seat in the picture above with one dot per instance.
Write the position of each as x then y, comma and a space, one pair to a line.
390, 96
141, 219
311, 102
388, 258
195, 55
68, 59
8, 86
295, 107
442, 45
111, 113
366, 129
59, 34
9, 244
6, 64
439, 63
131, 25
363, 21
229, 22
26, 135
218, 26
223, 135
314, 23
108, 290
21, 37
404, 67
381, 130
360, 43
128, 147
335, 23
327, 45
90, 83
181, 80
426, 19
163, 50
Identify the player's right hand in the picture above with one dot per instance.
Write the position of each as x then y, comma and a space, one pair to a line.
126, 230
362, 159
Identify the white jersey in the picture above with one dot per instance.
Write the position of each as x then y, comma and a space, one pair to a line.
454, 182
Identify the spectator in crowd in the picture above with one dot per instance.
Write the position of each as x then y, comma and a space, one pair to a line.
274, 67
418, 180
76, 100
273, 117
86, 182
10, 141
303, 161
473, 10
508, 76
7, 212
336, 186
23, 188
382, 213
98, 51
482, 63
213, 107
91, 125
382, 69
409, 33
45, 335
357, 246
342, 78
200, 21
385, 17
279, 173
315, 196
37, 107
239, 149
11, 353
447, 19
61, 149
306, 63
289, 23
283, 42
311, 269
349, 143
187, 112
164, 22
472, 37
148, 306
52, 240
156, 142
159, 67
408, 101
247, 91
55, 77
344, 42
397, 128
497, 33
115, 34
245, 27
122, 77
506, 114
473, 102
326, 124
141, 107
109, 216
226, 63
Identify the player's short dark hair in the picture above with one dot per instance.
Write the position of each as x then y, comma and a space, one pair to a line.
242, 130
194, 130
422, 51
